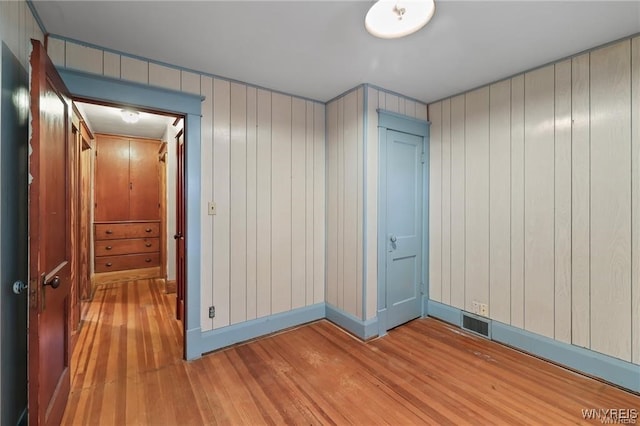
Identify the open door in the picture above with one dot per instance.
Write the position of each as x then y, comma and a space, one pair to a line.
180, 222
49, 242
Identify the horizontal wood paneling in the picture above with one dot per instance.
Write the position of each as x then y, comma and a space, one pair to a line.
563, 190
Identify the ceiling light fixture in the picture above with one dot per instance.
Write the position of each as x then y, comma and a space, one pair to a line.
130, 116
398, 18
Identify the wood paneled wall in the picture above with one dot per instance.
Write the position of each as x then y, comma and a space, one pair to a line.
534, 208
352, 191
263, 164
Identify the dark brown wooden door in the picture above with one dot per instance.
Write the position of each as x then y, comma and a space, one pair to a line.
180, 230
145, 183
112, 179
49, 242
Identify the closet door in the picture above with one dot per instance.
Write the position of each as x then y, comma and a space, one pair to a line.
145, 184
112, 179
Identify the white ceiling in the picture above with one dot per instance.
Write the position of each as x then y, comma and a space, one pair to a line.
106, 119
319, 49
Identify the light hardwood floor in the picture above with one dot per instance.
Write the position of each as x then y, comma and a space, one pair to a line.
127, 369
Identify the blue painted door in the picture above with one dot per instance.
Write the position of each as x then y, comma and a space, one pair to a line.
404, 227
14, 148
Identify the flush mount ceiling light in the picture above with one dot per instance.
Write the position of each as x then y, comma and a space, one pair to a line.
398, 18
130, 116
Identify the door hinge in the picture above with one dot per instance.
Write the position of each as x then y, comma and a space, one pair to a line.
212, 311
422, 158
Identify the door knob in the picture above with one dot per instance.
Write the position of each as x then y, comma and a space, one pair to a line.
19, 287
53, 282
393, 238
178, 236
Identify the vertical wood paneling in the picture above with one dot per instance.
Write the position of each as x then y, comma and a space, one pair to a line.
635, 198
350, 196
421, 111
111, 64
189, 81
332, 203
610, 200
371, 274
206, 221
580, 203
392, 103
517, 201
281, 204
340, 197
298, 203
83, 58
133, 69
359, 202
457, 201
238, 204
562, 320
410, 108
162, 76
435, 202
263, 293
477, 197
309, 202
221, 195
539, 201
55, 50
319, 199
252, 198
446, 201
500, 201
382, 99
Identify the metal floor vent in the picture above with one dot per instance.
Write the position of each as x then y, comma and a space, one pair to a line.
477, 325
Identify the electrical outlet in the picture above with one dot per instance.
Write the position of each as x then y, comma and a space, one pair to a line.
475, 307
212, 208
484, 309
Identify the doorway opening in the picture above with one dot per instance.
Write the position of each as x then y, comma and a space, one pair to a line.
130, 178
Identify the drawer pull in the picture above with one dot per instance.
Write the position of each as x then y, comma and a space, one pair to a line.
108, 248
109, 264
147, 244
147, 260
109, 231
147, 230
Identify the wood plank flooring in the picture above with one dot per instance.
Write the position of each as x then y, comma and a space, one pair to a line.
127, 370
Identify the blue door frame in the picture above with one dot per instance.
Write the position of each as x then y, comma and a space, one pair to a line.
104, 89
392, 121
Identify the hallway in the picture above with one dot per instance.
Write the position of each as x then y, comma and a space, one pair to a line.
127, 369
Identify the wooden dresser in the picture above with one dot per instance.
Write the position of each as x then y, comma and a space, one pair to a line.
121, 246
128, 228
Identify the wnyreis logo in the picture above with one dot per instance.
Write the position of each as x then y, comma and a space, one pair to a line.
628, 416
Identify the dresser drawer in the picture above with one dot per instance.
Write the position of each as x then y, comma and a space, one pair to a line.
131, 261
128, 246
111, 231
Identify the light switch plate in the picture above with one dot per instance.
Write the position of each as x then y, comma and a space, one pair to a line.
212, 208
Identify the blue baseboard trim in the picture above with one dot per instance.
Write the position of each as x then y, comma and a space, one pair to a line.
613, 370
193, 337
359, 328
226, 336
444, 312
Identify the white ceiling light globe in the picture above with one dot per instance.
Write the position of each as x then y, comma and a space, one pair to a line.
398, 18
